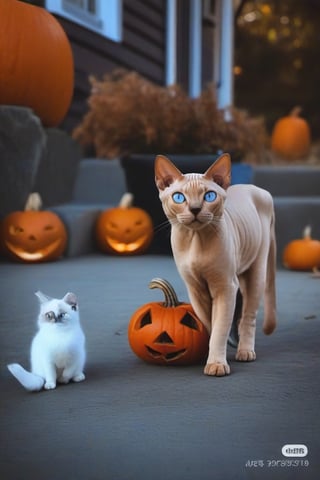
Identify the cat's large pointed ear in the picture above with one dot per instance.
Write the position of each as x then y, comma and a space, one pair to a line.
165, 172
42, 297
71, 299
220, 171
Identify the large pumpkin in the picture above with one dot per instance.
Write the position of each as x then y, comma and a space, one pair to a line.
302, 253
124, 229
32, 235
291, 136
36, 62
167, 333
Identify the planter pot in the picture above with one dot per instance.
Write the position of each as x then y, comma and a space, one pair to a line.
139, 172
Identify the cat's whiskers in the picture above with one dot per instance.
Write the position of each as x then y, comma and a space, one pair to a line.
162, 226
215, 221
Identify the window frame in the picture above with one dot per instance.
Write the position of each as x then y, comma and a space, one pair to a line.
107, 21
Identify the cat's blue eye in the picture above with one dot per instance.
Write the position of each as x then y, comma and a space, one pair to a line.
178, 197
210, 196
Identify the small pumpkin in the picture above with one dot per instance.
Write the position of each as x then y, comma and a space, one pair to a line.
169, 332
36, 61
32, 235
124, 229
303, 253
291, 137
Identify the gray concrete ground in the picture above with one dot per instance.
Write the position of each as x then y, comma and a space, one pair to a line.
134, 421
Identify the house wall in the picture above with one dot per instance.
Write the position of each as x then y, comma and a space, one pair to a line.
142, 49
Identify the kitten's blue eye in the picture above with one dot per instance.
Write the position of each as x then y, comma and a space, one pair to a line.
210, 196
178, 197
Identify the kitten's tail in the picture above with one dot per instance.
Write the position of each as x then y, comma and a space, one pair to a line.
30, 381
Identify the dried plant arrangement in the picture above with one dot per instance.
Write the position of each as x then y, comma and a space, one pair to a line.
129, 114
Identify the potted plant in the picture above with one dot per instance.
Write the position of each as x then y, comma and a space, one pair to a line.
131, 118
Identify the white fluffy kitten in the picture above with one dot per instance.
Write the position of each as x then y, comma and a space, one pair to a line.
58, 349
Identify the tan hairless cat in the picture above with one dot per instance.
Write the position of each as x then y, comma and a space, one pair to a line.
222, 239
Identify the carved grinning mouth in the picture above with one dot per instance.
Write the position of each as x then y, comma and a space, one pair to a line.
167, 356
165, 339
33, 256
126, 247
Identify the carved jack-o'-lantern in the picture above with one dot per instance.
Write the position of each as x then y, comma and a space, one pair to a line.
167, 333
124, 229
32, 235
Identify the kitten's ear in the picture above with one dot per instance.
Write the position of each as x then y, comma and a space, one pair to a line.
165, 172
42, 297
220, 171
71, 299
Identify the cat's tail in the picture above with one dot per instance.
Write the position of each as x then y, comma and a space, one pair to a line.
270, 316
30, 381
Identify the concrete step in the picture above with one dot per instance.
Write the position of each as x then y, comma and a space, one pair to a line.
296, 194
100, 184
293, 214
283, 181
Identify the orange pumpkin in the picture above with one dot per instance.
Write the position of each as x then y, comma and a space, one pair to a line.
31, 235
167, 333
36, 61
291, 136
303, 253
124, 229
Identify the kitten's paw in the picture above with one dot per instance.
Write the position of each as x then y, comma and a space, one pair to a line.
79, 378
64, 380
50, 385
217, 369
246, 355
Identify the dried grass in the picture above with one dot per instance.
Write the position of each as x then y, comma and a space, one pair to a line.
128, 114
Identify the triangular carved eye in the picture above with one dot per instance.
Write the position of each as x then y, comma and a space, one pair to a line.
189, 321
164, 338
145, 320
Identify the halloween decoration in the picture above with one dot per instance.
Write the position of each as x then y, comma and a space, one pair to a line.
36, 62
303, 253
167, 333
124, 229
291, 136
32, 235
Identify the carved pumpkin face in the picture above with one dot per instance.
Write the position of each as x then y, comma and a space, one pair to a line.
124, 230
33, 236
168, 335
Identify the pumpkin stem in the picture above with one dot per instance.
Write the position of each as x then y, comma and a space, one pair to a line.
307, 232
126, 200
34, 202
170, 296
295, 112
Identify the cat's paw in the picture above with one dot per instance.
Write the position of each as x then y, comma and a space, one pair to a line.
64, 380
245, 355
217, 369
79, 378
50, 385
